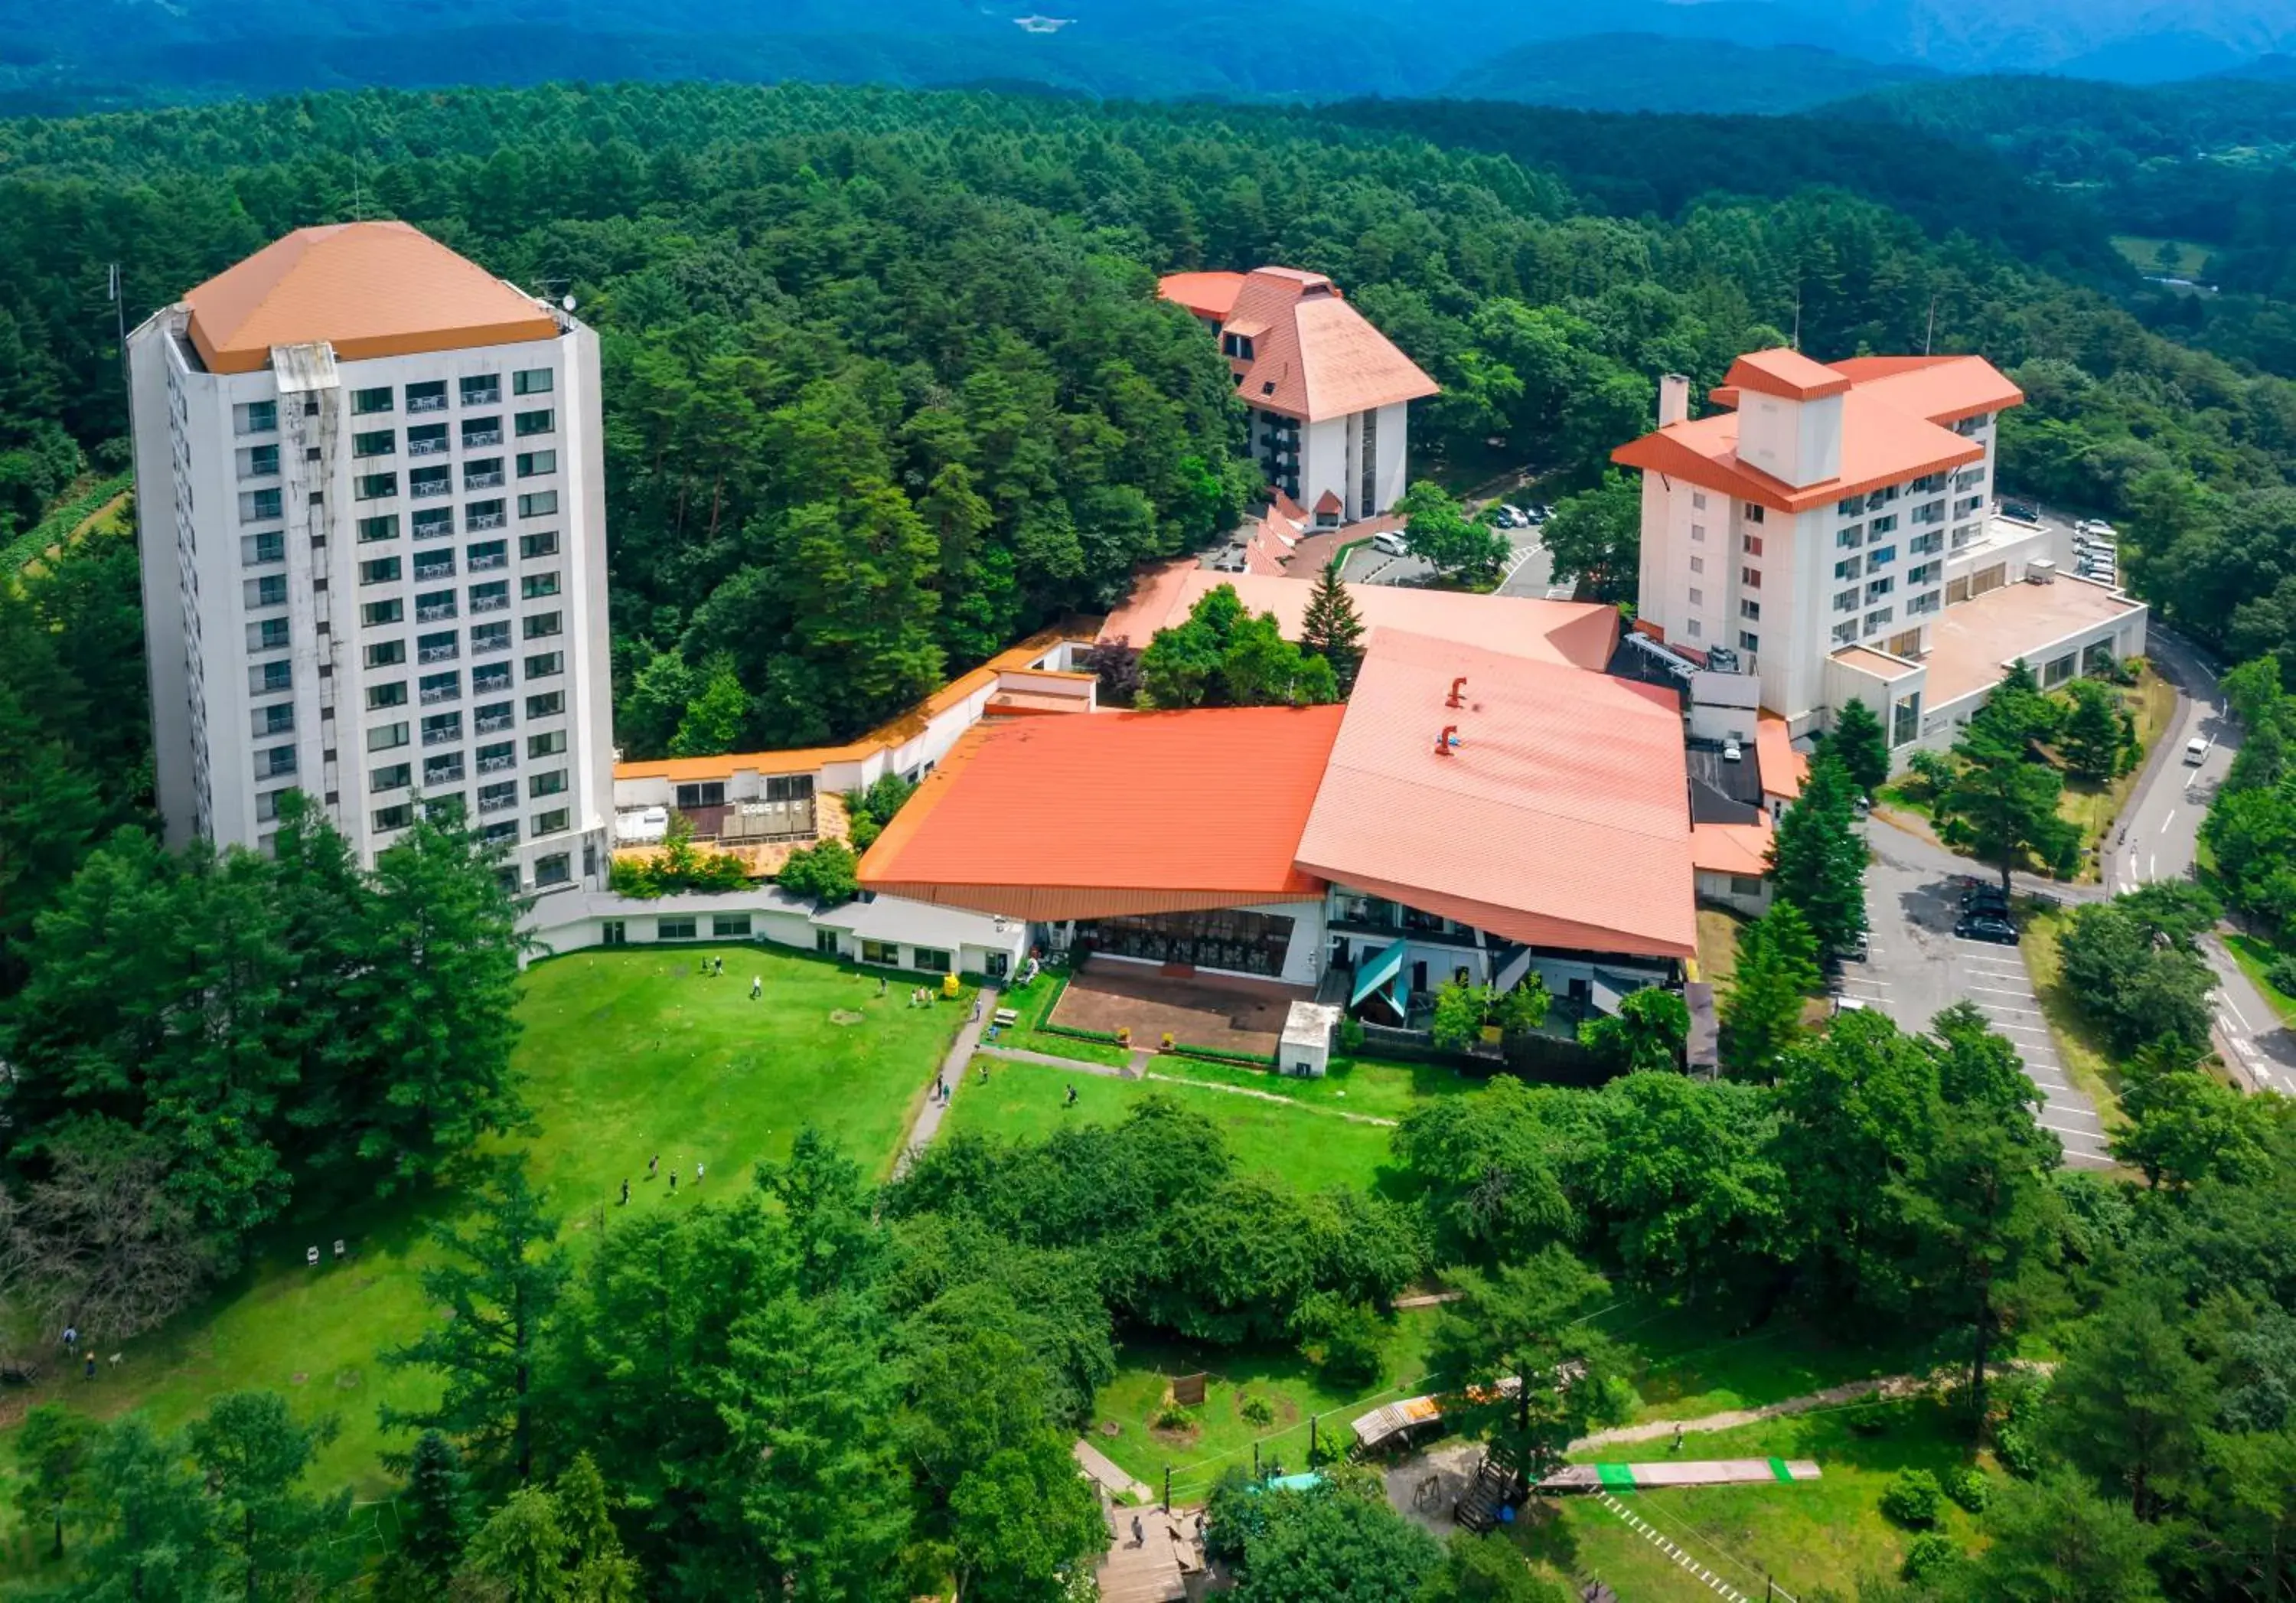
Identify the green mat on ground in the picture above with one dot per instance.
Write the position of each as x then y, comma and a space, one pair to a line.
1615, 1478
1778, 1468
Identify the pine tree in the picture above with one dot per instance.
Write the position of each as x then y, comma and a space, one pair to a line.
502, 1280
1856, 739
1332, 630
434, 1523
2000, 805
1816, 861
1761, 1012
2092, 737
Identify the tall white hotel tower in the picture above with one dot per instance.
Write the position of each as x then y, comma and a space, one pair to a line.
370, 494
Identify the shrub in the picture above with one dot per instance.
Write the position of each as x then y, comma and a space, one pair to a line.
1351, 1035
1257, 1411
2282, 975
1341, 1338
2017, 1439
1968, 1486
1172, 1417
1914, 1499
824, 874
1930, 1557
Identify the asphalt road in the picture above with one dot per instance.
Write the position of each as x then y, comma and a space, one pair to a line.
2159, 831
1916, 967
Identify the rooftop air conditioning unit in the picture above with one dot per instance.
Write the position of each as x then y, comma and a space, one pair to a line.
2041, 571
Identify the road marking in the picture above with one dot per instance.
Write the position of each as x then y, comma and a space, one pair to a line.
2237, 1014
2171, 819
2026, 991
2024, 1029
2004, 1008
2153, 866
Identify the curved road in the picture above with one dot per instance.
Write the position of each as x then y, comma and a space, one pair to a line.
2159, 830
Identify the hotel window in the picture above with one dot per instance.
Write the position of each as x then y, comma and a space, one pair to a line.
395, 776
255, 417
1751, 611
532, 463
270, 591
541, 504
258, 505
541, 626
1878, 621
387, 819
259, 462
1881, 556
1749, 641
255, 549
364, 403
546, 665
673, 929
375, 614
1752, 543
547, 744
551, 784
381, 442
1846, 634
1848, 567
549, 704
1697, 597
384, 527
386, 738
1884, 525
1698, 564
374, 487
1849, 538
530, 381
1878, 588
1752, 578
485, 389
556, 869
386, 653
545, 543
729, 924
554, 822
1846, 601
381, 571
536, 422
534, 587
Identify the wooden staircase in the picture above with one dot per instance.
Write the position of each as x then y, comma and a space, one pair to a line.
1498, 1480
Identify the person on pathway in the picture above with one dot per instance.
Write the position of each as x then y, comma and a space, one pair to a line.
757, 986
625, 1191
976, 1010
72, 1338
1678, 1440
940, 1086
1071, 1101
1139, 1536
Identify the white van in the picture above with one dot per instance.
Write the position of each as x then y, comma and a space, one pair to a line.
2196, 752
1390, 542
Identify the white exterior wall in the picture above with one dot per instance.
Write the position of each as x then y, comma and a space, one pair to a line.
1325, 454
204, 651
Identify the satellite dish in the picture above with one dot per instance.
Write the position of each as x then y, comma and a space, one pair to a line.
568, 303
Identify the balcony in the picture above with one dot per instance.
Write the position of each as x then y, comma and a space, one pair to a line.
449, 772
483, 519
437, 653
490, 395
424, 488
495, 723
489, 603
487, 564
426, 447
489, 481
496, 765
474, 437
426, 403
484, 680
490, 802
433, 698
435, 612
434, 528
484, 645
441, 737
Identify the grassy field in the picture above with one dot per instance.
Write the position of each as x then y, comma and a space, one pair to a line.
1718, 945
2087, 1064
1221, 1432
626, 1053
2143, 254
1294, 1143
1687, 1364
1355, 1085
2256, 958
1811, 1536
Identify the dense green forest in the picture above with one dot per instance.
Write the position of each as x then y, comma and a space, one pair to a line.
886, 384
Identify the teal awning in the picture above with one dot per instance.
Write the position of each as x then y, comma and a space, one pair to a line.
1377, 971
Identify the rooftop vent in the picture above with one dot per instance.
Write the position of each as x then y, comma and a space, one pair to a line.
1448, 738
1457, 698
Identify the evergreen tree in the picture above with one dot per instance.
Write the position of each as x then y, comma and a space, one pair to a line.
1524, 1320
1856, 739
434, 1523
278, 1540
150, 1525
2001, 805
714, 717
502, 1280
2092, 737
1332, 630
1817, 862
1762, 1009
52, 1452
2130, 1400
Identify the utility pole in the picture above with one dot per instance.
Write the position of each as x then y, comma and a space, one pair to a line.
1311, 1441
1167, 1488
1929, 339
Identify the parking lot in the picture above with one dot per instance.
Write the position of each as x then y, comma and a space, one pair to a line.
1916, 967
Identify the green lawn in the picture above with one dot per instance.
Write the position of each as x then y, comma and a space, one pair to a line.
2256, 958
1220, 1433
1298, 1146
2143, 254
1355, 1085
626, 1053
1813, 1536
1688, 1364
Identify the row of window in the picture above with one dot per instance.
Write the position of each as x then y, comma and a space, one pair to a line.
434, 439
479, 390
492, 678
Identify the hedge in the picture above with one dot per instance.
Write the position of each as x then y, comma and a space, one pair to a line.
1250, 1060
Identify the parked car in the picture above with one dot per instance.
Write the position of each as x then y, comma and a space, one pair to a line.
2023, 512
1391, 542
1986, 927
2097, 529
1986, 900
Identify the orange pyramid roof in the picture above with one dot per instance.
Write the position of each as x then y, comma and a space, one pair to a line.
382, 289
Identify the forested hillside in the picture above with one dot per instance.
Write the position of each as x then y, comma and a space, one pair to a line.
886, 386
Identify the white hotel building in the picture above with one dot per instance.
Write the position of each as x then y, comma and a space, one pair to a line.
1831, 532
369, 486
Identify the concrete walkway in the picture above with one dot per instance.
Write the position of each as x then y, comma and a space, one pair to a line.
1659, 1430
952, 1068
1052, 1060
1100, 1469
1245, 1090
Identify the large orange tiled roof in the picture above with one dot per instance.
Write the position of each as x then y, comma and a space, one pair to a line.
1114, 813
1578, 633
368, 288
1894, 413
1314, 356
1561, 815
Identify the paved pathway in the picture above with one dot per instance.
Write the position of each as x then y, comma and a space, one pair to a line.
1052, 1060
1245, 1090
952, 1067
1659, 1430
1099, 1468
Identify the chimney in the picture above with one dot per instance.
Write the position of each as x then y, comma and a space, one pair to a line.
1457, 697
1443, 742
1673, 398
